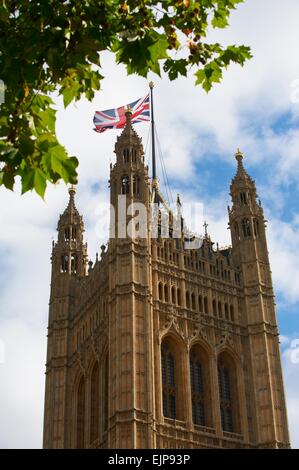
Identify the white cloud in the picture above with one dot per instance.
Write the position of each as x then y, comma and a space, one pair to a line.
283, 240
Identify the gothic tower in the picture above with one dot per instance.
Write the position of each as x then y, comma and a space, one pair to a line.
265, 389
130, 319
69, 257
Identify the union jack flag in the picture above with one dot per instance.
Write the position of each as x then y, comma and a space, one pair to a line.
116, 118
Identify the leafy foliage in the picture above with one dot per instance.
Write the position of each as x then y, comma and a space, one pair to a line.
56, 46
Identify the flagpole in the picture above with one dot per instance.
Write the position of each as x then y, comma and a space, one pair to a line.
151, 85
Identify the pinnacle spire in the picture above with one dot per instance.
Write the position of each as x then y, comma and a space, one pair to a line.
241, 173
239, 157
128, 136
71, 207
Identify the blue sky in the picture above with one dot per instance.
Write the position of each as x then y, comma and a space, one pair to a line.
253, 108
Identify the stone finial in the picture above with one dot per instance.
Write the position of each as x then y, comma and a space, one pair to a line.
239, 155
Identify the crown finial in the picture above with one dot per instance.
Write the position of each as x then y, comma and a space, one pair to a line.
72, 191
239, 155
128, 114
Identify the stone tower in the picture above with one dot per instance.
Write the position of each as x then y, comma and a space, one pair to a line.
69, 257
159, 345
261, 346
130, 300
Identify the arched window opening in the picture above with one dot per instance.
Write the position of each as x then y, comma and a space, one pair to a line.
197, 388
95, 403
106, 390
179, 297
173, 295
81, 414
74, 264
168, 380
243, 198
165, 250
214, 308
134, 155
74, 234
160, 288
165, 293
193, 305
236, 230
220, 309
256, 227
225, 399
187, 299
136, 185
246, 228
67, 234
226, 311
125, 185
228, 393
206, 305
200, 303
232, 316
64, 266
126, 155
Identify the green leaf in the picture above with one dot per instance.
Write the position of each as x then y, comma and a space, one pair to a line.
70, 93
210, 74
27, 177
8, 179
40, 182
175, 67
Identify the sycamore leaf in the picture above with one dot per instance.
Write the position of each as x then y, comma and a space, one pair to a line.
70, 93
27, 179
40, 182
210, 74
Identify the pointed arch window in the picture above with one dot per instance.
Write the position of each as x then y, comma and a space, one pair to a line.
193, 304
206, 308
187, 299
106, 391
168, 380
165, 293
214, 308
197, 388
126, 153
179, 297
246, 228
74, 263
243, 198
81, 414
232, 316
200, 303
64, 266
67, 234
173, 295
125, 185
227, 393
134, 155
226, 311
160, 288
220, 309
95, 403
136, 185
236, 230
256, 227
74, 233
